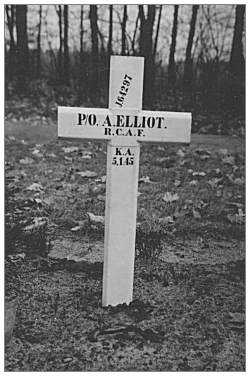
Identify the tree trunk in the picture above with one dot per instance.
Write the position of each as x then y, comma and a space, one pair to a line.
157, 32
101, 37
110, 32
171, 63
82, 78
142, 30
81, 36
237, 61
60, 51
188, 68
124, 21
9, 9
65, 44
134, 34
10, 15
94, 90
22, 57
146, 50
38, 63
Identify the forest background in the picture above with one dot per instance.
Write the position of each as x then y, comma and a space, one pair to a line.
194, 58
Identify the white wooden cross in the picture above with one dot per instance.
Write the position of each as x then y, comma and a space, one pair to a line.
124, 125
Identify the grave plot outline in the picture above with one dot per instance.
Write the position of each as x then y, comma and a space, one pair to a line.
124, 125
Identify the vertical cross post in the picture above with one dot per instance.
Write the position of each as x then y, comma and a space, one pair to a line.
121, 185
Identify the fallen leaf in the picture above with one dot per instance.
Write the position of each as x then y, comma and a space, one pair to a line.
26, 160
145, 179
204, 154
35, 187
67, 360
18, 256
214, 182
35, 151
235, 168
48, 172
202, 204
230, 177
49, 200
196, 214
237, 317
95, 218
37, 223
83, 189
85, 154
87, 174
38, 155
70, 149
38, 200
96, 189
204, 157
183, 162
148, 350
229, 159
177, 183
70, 159
193, 182
169, 197
180, 153
163, 159
239, 181
52, 155
76, 228
101, 197
238, 218
80, 225
166, 220
199, 173
223, 151
238, 204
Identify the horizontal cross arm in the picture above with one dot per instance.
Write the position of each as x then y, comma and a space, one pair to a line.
123, 125
164, 126
84, 123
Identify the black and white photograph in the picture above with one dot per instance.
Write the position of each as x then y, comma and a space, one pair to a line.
124, 187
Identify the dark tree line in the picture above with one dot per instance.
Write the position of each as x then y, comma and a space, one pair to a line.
237, 61
142, 41
18, 52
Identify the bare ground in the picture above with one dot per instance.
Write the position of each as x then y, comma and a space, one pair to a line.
188, 309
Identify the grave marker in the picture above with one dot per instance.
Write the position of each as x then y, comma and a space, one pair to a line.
124, 125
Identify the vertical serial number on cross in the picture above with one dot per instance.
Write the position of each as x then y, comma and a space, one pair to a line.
124, 89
